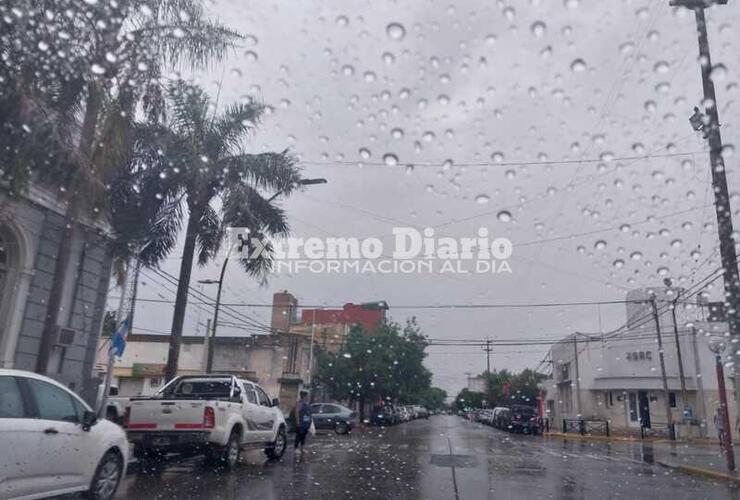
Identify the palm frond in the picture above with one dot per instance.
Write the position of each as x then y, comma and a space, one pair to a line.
276, 172
210, 235
245, 207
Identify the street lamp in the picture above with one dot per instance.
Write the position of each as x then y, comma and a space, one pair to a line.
220, 280
717, 345
301, 182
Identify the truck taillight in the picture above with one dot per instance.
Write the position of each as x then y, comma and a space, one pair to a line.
209, 418
126, 416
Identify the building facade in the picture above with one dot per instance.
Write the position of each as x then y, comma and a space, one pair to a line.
278, 362
31, 228
328, 327
617, 376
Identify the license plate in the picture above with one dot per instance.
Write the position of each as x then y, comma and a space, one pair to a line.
162, 441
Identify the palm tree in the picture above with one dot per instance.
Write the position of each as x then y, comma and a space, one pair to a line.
78, 73
198, 162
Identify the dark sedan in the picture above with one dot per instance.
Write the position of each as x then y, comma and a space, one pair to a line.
334, 417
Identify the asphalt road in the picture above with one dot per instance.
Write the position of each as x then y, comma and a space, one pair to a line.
445, 457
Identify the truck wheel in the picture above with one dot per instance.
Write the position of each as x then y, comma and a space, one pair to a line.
276, 450
229, 454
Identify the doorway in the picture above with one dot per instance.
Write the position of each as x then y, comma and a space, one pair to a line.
644, 403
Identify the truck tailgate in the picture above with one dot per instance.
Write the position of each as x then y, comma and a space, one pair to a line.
166, 415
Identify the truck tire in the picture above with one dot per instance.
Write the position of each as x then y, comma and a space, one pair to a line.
226, 456
277, 448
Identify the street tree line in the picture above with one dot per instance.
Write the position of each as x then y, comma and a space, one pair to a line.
92, 110
381, 366
503, 388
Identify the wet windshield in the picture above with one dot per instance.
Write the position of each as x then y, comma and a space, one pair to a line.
446, 249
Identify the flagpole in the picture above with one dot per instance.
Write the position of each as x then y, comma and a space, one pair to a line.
111, 351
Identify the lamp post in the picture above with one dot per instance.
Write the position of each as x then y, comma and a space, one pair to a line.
220, 280
717, 345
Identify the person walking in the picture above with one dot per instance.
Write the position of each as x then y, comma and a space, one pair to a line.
303, 420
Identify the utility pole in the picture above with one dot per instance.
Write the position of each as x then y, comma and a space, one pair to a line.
488, 350
206, 346
666, 397
699, 383
310, 352
684, 394
709, 124
577, 374
724, 414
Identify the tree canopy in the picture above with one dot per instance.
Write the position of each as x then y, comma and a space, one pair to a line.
386, 364
503, 388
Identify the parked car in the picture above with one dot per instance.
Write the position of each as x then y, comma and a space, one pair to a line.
52, 442
217, 415
501, 417
404, 413
524, 419
384, 416
420, 412
334, 417
485, 417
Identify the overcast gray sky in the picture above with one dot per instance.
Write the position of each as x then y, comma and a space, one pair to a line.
484, 84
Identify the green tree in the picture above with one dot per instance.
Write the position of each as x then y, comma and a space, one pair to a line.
525, 386
433, 398
522, 387
198, 161
469, 399
383, 365
71, 77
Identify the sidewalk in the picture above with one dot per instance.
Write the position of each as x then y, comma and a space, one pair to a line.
699, 457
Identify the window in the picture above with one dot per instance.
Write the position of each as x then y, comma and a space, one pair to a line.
54, 403
11, 401
672, 399
331, 409
251, 395
316, 409
263, 399
608, 399
633, 406
565, 372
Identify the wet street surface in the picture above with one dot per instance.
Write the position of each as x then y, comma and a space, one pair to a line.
445, 457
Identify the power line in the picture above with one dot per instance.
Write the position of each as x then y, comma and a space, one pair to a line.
439, 163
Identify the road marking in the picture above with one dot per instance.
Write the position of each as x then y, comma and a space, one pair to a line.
454, 475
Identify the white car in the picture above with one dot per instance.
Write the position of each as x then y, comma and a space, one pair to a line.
217, 415
51, 442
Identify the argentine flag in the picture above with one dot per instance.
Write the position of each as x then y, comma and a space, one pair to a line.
118, 342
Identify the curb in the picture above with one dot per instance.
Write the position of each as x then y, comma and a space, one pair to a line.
699, 471
599, 438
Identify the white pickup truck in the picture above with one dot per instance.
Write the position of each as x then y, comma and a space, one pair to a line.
213, 414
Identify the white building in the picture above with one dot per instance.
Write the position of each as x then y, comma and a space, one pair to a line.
477, 384
278, 362
617, 376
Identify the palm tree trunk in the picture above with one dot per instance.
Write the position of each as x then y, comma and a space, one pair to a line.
64, 252
181, 298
